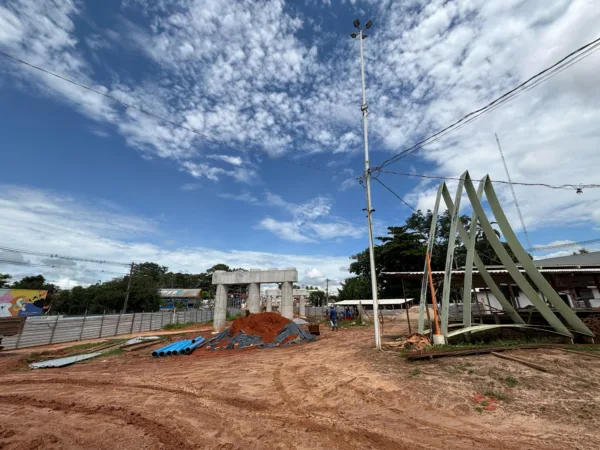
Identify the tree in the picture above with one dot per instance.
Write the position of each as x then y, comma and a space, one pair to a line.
317, 298
355, 288
581, 251
4, 280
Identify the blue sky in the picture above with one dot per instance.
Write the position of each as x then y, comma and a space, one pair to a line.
274, 81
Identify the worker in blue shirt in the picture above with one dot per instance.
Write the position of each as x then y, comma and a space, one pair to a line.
333, 318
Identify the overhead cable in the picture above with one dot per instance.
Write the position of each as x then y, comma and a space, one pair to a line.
393, 193
71, 258
564, 245
156, 116
516, 183
540, 77
25, 263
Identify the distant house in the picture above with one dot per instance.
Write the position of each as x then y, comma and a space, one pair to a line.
576, 278
181, 298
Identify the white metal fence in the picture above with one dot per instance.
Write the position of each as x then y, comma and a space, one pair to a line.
56, 329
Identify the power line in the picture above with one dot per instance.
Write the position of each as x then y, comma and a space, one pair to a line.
540, 77
516, 183
565, 245
396, 195
24, 263
156, 116
71, 258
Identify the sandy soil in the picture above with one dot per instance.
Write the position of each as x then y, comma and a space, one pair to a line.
337, 393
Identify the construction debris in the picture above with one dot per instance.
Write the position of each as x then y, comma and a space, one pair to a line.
415, 342
61, 362
593, 323
263, 330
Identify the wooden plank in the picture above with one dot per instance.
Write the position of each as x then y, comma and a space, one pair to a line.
521, 361
483, 350
591, 355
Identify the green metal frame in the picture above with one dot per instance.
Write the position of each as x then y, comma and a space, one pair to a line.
487, 278
538, 280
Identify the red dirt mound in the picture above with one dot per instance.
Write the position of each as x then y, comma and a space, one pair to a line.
267, 325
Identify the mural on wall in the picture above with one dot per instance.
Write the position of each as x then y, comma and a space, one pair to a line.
21, 302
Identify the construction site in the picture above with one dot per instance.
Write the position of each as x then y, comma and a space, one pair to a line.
333, 392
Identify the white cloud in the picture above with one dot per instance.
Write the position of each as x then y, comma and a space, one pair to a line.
243, 196
53, 223
288, 231
239, 72
233, 160
191, 186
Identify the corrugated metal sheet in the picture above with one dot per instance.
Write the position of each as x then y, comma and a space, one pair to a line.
387, 301
61, 362
180, 293
57, 329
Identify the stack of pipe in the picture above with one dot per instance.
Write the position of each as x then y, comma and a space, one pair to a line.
183, 347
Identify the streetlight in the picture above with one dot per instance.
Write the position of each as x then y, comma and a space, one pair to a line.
364, 109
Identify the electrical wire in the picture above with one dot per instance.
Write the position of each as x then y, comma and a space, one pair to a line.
565, 245
156, 116
23, 263
396, 195
71, 258
535, 80
516, 183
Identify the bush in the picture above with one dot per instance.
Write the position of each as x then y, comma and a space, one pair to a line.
177, 326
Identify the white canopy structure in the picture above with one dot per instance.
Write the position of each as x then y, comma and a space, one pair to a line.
387, 301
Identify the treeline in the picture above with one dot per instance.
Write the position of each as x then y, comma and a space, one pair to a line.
109, 296
404, 249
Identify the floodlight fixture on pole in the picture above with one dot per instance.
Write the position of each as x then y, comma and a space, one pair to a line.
365, 112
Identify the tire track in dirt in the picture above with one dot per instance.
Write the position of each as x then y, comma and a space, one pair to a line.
170, 438
351, 433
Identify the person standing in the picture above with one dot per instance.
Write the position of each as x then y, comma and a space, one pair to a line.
333, 317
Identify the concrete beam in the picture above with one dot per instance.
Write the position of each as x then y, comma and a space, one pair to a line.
255, 276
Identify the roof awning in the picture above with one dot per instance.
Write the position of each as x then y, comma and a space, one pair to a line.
386, 301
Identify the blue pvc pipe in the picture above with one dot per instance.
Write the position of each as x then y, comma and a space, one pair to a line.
196, 339
163, 350
174, 348
180, 349
195, 345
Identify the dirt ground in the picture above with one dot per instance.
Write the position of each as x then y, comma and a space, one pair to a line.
337, 393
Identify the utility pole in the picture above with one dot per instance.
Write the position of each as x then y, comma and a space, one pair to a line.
128, 287
327, 292
364, 108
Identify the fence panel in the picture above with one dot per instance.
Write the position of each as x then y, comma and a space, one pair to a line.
60, 329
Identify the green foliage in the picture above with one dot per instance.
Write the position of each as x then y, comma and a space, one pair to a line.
230, 317
415, 372
403, 250
494, 394
4, 280
178, 326
511, 381
317, 298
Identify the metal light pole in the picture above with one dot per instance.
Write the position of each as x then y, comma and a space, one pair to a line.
128, 288
364, 108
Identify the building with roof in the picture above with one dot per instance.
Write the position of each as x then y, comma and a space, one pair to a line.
181, 298
576, 278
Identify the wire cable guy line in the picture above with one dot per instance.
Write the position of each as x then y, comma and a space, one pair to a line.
24, 263
393, 193
540, 77
565, 245
71, 258
516, 183
156, 116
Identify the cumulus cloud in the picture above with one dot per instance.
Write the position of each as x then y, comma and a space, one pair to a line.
69, 226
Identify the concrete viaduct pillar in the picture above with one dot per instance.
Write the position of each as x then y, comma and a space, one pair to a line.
254, 297
302, 312
220, 315
287, 300
254, 278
